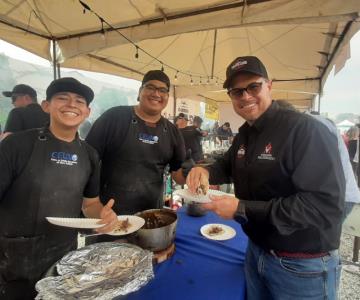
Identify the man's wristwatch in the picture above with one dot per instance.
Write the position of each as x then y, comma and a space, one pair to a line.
240, 215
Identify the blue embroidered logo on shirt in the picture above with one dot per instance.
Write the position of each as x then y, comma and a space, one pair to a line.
64, 158
148, 138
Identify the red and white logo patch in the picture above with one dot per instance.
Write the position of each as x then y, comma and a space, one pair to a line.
241, 152
268, 148
267, 154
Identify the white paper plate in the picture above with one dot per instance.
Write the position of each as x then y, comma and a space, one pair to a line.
189, 197
135, 224
227, 233
87, 223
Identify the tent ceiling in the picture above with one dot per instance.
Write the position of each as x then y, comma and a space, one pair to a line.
299, 41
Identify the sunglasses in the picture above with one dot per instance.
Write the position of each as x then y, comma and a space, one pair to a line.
252, 89
152, 89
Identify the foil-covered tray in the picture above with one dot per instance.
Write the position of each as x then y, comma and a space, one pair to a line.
98, 271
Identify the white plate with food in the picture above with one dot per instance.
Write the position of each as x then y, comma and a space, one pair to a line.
127, 224
199, 197
218, 232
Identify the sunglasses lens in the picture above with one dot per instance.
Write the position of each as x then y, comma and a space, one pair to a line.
254, 88
236, 93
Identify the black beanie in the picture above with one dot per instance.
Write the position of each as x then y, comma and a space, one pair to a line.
156, 75
69, 84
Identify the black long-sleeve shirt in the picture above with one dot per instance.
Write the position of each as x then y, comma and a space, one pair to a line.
286, 169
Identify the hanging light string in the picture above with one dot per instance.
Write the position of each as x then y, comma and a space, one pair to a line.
138, 49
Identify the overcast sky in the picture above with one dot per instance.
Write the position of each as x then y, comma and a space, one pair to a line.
341, 92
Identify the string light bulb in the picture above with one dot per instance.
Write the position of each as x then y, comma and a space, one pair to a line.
137, 52
162, 67
176, 75
191, 80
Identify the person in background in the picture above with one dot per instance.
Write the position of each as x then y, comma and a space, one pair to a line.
289, 191
47, 172
27, 113
135, 144
224, 132
353, 134
192, 137
181, 121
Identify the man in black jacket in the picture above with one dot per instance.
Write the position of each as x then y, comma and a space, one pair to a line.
27, 113
192, 137
289, 187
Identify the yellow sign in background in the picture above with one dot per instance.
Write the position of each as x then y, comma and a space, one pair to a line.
211, 110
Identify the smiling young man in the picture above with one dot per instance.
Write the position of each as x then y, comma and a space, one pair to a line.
47, 172
135, 143
289, 187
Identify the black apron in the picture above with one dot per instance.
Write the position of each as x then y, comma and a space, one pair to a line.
135, 171
51, 184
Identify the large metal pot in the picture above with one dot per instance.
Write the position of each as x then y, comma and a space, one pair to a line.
158, 232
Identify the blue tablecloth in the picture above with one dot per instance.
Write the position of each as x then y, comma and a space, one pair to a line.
200, 268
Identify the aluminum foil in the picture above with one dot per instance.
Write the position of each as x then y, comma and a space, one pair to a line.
98, 271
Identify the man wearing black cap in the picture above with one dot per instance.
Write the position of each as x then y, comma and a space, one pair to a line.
192, 137
181, 121
46, 172
289, 187
135, 144
27, 113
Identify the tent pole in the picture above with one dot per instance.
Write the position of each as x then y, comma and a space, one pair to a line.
174, 95
214, 51
320, 94
54, 58
58, 70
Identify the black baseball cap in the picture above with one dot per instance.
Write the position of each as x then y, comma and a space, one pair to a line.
244, 64
21, 89
156, 75
69, 84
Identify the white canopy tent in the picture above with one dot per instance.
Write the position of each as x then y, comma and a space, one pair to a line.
299, 41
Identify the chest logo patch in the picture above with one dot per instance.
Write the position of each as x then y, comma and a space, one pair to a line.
267, 154
63, 158
241, 152
148, 138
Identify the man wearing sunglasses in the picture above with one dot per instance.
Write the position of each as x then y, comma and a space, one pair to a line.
135, 144
289, 191
27, 113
